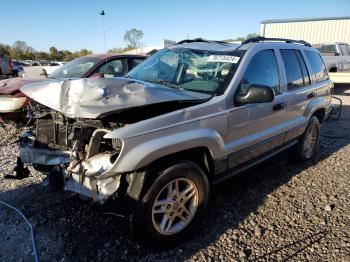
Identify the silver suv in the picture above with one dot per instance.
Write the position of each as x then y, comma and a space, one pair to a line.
188, 117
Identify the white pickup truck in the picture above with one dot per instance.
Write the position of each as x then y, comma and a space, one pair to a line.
336, 56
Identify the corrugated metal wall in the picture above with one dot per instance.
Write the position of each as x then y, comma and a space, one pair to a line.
310, 31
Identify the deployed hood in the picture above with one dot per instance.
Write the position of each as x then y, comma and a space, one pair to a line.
9, 86
93, 98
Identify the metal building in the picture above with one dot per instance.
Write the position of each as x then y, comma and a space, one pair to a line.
312, 30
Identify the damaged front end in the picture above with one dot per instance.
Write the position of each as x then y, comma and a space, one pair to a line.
77, 148
71, 120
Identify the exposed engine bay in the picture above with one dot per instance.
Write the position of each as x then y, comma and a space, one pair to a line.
74, 148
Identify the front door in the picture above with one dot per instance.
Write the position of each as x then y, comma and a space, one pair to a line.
255, 129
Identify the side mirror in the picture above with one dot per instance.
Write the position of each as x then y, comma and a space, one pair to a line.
255, 94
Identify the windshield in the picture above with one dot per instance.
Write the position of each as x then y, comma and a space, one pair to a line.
75, 68
194, 70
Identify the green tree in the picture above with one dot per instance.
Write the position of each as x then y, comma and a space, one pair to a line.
19, 49
41, 56
119, 49
84, 52
53, 53
5, 50
132, 37
251, 35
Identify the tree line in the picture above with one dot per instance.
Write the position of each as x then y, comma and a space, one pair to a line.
21, 51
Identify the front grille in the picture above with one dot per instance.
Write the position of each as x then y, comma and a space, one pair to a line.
45, 133
50, 134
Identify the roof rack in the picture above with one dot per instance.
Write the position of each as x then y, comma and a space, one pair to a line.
262, 39
199, 40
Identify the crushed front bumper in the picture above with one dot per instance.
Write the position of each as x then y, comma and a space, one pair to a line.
42, 156
96, 187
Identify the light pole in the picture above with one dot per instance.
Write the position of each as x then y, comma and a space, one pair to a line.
102, 13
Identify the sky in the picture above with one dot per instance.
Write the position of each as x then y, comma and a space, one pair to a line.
77, 24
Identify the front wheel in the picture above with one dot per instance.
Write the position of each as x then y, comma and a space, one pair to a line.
172, 206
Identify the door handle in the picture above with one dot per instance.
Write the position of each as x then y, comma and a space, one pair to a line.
311, 95
279, 106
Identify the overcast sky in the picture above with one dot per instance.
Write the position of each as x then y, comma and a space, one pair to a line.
76, 24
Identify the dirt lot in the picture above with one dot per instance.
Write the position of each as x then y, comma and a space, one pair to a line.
278, 211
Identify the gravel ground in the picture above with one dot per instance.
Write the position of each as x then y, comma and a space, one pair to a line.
279, 211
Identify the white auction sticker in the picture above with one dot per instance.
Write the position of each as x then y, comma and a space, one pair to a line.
223, 58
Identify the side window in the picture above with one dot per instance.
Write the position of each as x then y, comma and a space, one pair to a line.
262, 70
344, 49
304, 70
319, 71
113, 68
135, 62
327, 49
292, 68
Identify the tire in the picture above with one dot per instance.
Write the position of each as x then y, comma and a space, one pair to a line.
305, 150
182, 215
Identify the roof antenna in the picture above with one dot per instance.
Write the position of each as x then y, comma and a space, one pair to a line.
102, 13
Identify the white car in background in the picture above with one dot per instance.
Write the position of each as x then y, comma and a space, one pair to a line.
40, 70
52, 67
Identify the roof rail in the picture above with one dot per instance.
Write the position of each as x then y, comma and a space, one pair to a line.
262, 39
199, 40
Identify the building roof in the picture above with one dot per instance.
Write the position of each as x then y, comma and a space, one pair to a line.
271, 21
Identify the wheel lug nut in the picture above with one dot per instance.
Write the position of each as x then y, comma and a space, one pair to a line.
168, 206
180, 209
172, 213
181, 200
174, 198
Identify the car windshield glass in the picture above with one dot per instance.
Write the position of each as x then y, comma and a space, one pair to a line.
194, 70
75, 68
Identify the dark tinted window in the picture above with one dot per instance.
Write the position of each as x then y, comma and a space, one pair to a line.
344, 49
136, 62
292, 67
319, 71
113, 68
262, 70
327, 49
304, 70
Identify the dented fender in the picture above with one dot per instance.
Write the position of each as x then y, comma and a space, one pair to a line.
135, 156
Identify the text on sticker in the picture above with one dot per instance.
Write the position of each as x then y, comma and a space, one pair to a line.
223, 58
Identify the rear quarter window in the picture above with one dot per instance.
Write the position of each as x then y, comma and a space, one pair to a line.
318, 68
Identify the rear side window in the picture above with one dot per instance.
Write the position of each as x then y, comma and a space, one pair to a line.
327, 49
262, 70
304, 70
319, 71
344, 49
293, 70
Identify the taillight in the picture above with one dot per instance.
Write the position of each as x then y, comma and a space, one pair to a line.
10, 64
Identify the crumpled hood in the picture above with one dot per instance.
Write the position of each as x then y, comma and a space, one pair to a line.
9, 86
92, 98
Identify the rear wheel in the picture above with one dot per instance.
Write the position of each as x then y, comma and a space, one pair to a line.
307, 144
172, 206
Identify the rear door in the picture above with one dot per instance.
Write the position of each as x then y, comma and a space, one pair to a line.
307, 81
255, 129
299, 91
